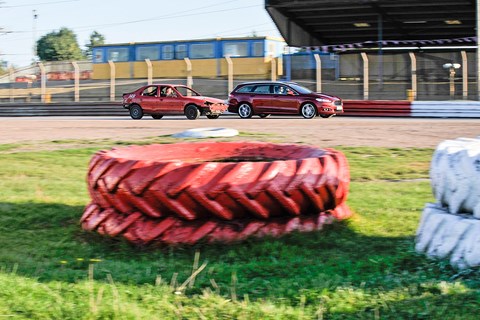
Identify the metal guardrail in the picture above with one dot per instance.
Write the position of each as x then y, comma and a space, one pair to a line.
361, 108
62, 109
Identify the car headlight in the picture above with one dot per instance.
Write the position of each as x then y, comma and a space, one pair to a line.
323, 100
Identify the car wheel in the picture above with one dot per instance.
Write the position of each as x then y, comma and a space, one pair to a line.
136, 112
213, 116
326, 116
192, 112
308, 111
245, 111
264, 115
157, 116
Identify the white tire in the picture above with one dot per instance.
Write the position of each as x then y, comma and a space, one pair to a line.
207, 133
447, 236
455, 175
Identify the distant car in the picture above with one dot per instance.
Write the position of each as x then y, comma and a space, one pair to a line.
159, 100
264, 98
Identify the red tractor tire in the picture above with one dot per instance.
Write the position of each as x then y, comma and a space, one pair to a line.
142, 230
222, 180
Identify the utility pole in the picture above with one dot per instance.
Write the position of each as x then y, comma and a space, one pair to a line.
478, 49
34, 33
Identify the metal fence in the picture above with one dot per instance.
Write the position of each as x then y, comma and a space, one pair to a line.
366, 76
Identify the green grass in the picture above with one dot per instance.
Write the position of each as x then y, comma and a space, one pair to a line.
363, 268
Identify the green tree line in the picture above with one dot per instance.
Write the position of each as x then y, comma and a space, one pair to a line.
62, 45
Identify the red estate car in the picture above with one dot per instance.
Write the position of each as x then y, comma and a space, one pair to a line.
169, 99
266, 97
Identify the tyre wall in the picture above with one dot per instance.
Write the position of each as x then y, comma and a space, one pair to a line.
224, 191
450, 228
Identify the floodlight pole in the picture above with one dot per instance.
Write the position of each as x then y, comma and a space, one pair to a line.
478, 49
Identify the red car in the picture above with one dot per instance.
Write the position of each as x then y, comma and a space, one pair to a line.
158, 100
264, 98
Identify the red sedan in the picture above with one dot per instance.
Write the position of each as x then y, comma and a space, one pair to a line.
266, 97
158, 100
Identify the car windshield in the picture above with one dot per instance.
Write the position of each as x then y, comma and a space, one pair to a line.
299, 89
185, 91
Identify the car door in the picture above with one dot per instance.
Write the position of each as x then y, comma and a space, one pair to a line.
261, 98
170, 103
149, 99
284, 100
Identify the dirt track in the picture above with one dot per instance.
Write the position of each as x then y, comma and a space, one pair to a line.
346, 131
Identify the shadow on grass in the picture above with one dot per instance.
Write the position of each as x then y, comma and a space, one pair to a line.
45, 241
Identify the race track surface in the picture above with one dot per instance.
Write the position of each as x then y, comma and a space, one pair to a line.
337, 131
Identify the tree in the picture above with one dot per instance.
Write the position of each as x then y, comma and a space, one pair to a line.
59, 46
95, 40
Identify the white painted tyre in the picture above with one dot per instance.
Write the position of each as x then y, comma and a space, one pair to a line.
449, 236
455, 175
207, 133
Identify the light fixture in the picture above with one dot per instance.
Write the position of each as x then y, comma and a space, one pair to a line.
361, 24
415, 22
453, 22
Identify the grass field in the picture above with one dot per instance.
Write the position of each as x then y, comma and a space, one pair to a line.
363, 268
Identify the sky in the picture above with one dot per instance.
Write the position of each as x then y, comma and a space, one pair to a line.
124, 21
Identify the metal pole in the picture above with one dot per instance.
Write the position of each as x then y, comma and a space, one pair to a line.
318, 63
365, 75
464, 75
189, 74
380, 51
43, 82
34, 34
149, 71
452, 82
274, 69
478, 49
76, 81
11, 73
414, 74
112, 80
229, 73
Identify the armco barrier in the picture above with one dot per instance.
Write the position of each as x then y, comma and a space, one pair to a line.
377, 108
446, 109
62, 109
356, 108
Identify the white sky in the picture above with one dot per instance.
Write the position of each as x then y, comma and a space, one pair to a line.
124, 21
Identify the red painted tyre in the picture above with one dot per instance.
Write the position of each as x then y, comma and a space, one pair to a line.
142, 230
221, 180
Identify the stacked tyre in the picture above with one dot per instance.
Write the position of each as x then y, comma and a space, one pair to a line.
450, 228
224, 191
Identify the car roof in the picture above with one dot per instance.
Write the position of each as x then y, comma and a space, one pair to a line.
266, 82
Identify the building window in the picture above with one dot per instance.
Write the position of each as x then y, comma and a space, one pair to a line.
201, 51
167, 52
97, 55
181, 51
257, 49
235, 49
150, 52
117, 54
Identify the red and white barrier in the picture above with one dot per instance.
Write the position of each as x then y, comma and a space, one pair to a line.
401, 108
